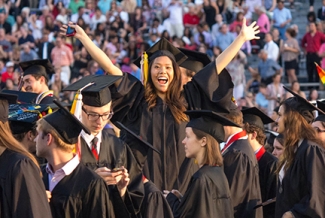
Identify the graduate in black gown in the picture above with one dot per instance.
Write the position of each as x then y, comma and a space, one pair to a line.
22, 121
22, 192
37, 74
301, 189
76, 191
254, 121
319, 122
208, 193
102, 151
241, 169
155, 110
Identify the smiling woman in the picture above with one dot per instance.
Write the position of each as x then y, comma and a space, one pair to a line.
155, 110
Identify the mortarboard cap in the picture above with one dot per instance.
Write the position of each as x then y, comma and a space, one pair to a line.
23, 117
256, 117
163, 48
5, 100
137, 137
68, 130
320, 117
195, 61
98, 94
302, 106
209, 122
23, 97
41, 67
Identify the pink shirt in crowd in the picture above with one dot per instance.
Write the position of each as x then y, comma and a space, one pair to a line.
322, 50
264, 23
62, 56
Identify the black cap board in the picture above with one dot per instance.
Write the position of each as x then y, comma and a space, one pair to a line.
302, 106
66, 124
23, 97
41, 67
320, 117
137, 137
23, 117
256, 117
163, 48
5, 100
97, 94
195, 61
209, 122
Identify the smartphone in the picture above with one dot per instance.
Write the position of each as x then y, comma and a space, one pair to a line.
70, 32
117, 169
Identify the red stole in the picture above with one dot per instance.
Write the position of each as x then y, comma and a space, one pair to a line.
233, 139
260, 153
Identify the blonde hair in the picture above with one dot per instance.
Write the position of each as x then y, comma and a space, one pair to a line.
46, 128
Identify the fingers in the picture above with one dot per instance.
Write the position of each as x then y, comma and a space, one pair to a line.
244, 21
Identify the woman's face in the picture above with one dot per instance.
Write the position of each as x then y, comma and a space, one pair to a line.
296, 86
314, 95
280, 119
278, 149
275, 33
19, 19
318, 126
162, 73
191, 144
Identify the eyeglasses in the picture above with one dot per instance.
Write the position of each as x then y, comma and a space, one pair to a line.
93, 117
318, 130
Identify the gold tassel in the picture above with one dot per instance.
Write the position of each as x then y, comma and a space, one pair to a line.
144, 68
196, 162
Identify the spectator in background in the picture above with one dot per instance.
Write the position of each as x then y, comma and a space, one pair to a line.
63, 16
295, 87
210, 12
269, 5
313, 95
290, 52
8, 74
225, 38
216, 27
264, 23
4, 24
275, 93
26, 38
271, 48
191, 19
249, 8
45, 47
138, 23
75, 5
311, 43
16, 27
156, 27
267, 68
35, 26
97, 18
253, 83
104, 5
236, 69
27, 54
261, 98
62, 57
281, 18
45, 13
175, 20
321, 12
237, 22
5, 46
80, 13
278, 41
93, 68
129, 6
202, 34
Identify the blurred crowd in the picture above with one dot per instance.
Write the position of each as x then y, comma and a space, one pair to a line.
124, 29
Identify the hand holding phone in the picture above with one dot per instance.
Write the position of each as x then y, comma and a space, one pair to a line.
70, 31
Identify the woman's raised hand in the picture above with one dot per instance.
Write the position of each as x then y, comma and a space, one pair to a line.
249, 32
79, 31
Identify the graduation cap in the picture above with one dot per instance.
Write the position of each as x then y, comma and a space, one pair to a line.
195, 61
70, 128
23, 117
256, 117
23, 97
41, 67
97, 94
163, 48
137, 137
302, 106
5, 100
320, 117
209, 122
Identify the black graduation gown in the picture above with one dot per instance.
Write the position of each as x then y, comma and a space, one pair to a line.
207, 196
22, 192
241, 169
171, 169
81, 194
115, 153
267, 171
154, 203
302, 190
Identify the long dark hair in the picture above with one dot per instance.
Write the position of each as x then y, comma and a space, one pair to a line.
296, 127
212, 155
174, 98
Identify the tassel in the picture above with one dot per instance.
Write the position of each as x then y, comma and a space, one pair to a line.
144, 68
196, 162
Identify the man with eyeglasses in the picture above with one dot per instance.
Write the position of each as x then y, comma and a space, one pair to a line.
102, 152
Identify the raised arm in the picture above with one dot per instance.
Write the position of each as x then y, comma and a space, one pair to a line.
96, 53
246, 33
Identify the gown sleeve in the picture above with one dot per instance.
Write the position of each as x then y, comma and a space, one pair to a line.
29, 196
126, 99
311, 205
210, 91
